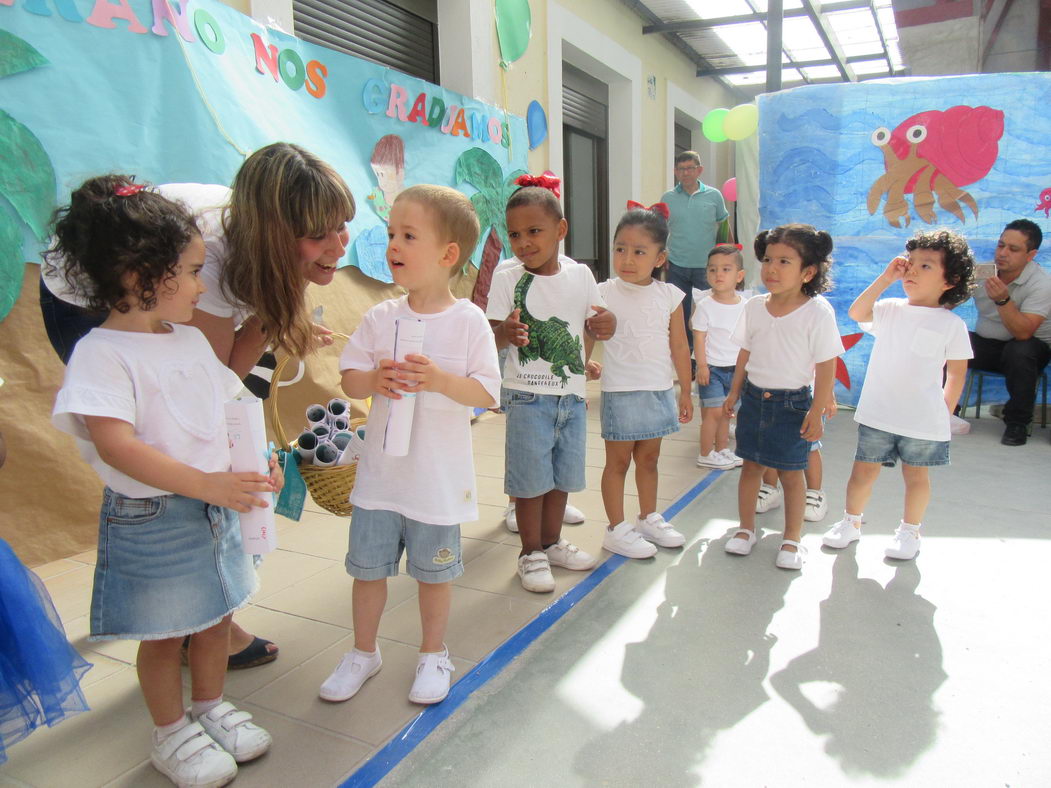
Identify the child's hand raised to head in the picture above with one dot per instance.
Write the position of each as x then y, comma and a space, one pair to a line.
602, 325
895, 269
685, 406
515, 330
234, 490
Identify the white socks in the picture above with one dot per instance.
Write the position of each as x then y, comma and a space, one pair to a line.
199, 708
162, 732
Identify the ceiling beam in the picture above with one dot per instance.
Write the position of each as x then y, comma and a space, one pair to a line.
796, 64
882, 39
828, 38
696, 25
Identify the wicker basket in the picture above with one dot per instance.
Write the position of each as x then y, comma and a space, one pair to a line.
329, 486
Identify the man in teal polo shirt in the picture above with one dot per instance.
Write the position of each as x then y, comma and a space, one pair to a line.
696, 213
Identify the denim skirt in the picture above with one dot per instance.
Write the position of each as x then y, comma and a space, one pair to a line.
638, 415
167, 567
768, 427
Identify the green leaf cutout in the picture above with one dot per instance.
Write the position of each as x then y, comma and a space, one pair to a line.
478, 168
11, 262
17, 55
27, 178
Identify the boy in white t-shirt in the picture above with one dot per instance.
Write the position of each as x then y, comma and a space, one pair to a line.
414, 504
904, 408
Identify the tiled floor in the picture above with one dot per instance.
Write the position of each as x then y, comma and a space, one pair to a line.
304, 605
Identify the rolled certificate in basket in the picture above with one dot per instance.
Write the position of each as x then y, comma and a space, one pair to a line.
326, 454
306, 443
341, 439
246, 429
316, 414
338, 424
321, 430
354, 448
338, 409
408, 339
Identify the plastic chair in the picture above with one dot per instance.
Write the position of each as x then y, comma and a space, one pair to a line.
981, 374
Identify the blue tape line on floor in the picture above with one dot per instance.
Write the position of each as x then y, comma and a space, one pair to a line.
380, 764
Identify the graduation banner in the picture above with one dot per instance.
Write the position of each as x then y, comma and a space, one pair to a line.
873, 162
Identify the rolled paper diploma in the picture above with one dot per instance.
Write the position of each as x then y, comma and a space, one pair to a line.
321, 430
338, 409
316, 414
246, 430
306, 444
326, 454
408, 339
338, 424
341, 439
354, 448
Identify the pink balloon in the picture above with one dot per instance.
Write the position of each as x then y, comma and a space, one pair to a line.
730, 190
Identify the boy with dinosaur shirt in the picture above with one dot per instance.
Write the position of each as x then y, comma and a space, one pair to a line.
544, 308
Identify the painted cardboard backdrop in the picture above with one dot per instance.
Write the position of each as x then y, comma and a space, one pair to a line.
183, 92
873, 162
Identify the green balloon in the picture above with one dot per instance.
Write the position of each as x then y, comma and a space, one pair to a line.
741, 121
713, 125
513, 22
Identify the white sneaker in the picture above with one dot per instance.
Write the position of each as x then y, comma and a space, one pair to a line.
842, 534
234, 731
714, 460
569, 556
534, 570
657, 530
353, 670
573, 515
905, 543
789, 560
626, 541
735, 545
728, 454
432, 678
190, 757
769, 498
510, 518
816, 506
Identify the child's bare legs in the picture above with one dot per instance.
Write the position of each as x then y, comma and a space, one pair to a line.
618, 459
770, 477
646, 454
794, 485
815, 470
368, 599
862, 477
747, 490
540, 519
715, 430
435, 601
160, 675
917, 492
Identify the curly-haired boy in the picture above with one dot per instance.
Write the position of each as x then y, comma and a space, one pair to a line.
904, 408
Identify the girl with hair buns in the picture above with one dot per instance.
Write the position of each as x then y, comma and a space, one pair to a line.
281, 227
788, 339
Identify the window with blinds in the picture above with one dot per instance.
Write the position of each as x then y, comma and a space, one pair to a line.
384, 32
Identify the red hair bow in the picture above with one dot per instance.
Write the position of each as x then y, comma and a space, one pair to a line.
548, 181
128, 189
657, 207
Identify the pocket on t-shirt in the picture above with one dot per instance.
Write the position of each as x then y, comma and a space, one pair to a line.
927, 343
454, 365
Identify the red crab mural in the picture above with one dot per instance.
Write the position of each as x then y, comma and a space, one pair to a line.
935, 153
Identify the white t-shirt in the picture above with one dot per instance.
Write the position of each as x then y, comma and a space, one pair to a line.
903, 383
170, 387
718, 320
434, 483
511, 262
638, 357
206, 202
783, 351
554, 307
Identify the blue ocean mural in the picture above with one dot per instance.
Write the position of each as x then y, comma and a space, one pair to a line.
873, 162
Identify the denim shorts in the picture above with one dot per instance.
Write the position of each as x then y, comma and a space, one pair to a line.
378, 537
167, 567
545, 445
713, 394
638, 415
887, 448
768, 426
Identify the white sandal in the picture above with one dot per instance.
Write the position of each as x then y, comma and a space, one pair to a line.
786, 559
736, 546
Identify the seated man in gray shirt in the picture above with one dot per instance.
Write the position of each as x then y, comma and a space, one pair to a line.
1013, 335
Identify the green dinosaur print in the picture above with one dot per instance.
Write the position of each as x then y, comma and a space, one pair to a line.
549, 339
